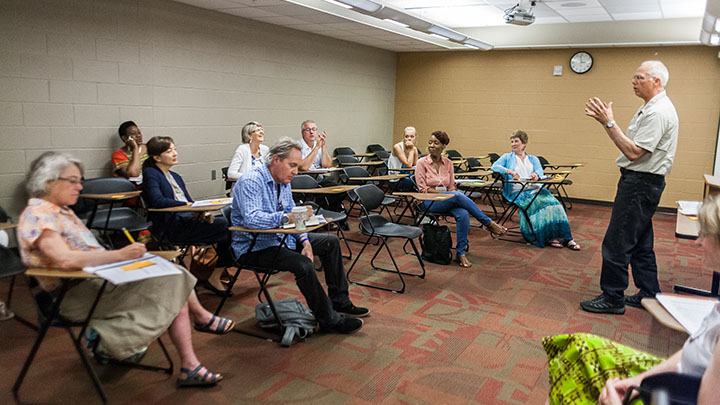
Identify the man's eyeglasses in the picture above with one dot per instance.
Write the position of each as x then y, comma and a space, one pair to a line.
310, 129
71, 180
639, 78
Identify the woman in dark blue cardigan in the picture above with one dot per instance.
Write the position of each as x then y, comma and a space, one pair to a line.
163, 188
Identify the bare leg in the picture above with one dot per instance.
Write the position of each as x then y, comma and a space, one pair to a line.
181, 337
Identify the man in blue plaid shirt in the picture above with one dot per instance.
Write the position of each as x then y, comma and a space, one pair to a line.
262, 199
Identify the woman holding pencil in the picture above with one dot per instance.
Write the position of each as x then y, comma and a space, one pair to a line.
129, 316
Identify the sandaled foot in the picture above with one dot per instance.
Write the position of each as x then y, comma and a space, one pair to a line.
556, 244
495, 229
198, 377
572, 245
217, 326
463, 261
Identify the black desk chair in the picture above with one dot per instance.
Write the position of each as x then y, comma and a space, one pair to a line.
111, 219
346, 160
48, 308
228, 184
376, 226
357, 171
374, 147
559, 190
343, 150
10, 267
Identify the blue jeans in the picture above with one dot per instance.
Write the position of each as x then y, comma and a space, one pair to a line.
460, 207
629, 239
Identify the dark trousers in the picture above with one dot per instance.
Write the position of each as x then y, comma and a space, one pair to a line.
327, 247
629, 237
187, 229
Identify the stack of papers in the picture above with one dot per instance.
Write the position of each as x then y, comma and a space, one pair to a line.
688, 311
148, 266
211, 202
462, 181
689, 208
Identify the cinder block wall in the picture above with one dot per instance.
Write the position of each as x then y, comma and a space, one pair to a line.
479, 98
72, 71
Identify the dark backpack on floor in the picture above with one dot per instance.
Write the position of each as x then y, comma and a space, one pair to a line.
297, 320
437, 244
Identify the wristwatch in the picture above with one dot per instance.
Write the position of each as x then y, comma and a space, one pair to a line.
610, 124
285, 219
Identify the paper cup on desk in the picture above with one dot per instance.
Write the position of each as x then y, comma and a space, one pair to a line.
299, 217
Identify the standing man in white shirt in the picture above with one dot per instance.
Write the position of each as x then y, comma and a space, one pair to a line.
315, 156
647, 152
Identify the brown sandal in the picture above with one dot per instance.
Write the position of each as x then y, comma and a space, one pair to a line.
495, 229
463, 261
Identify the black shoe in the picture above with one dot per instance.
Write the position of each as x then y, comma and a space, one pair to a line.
344, 226
216, 291
352, 310
635, 301
345, 326
602, 304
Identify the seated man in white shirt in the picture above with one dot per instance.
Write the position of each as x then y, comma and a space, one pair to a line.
315, 156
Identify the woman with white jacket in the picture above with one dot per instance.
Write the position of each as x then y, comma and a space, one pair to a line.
251, 153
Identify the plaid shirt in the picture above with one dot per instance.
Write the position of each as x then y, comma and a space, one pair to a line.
259, 203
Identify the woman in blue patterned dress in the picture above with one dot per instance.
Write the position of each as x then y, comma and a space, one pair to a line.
547, 216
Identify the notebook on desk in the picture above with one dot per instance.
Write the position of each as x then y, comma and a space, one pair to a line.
688, 311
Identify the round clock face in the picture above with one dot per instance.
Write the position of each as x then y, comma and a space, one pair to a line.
581, 62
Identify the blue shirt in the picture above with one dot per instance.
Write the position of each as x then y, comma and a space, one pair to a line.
259, 203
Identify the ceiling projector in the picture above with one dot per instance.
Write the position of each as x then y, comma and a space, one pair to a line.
521, 13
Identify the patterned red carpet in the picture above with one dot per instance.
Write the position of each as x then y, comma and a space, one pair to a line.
458, 336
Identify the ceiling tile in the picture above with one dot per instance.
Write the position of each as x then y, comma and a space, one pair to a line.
281, 20
248, 12
637, 16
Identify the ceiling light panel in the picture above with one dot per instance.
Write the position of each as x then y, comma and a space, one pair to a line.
408, 4
682, 9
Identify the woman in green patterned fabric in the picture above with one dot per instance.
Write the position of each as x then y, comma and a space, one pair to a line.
587, 369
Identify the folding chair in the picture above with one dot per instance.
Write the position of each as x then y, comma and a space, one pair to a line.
48, 308
453, 154
373, 225
559, 190
111, 219
10, 267
343, 150
304, 182
228, 184
346, 160
374, 147
357, 171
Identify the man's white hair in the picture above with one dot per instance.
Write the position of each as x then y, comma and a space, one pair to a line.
657, 69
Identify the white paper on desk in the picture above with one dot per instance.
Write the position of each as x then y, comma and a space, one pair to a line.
114, 273
688, 311
462, 181
689, 207
211, 202
316, 220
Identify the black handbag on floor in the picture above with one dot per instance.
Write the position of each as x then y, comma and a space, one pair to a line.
437, 244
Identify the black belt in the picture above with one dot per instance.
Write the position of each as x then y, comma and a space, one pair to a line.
657, 178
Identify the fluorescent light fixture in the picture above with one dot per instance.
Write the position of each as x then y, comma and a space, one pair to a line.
368, 6
477, 44
396, 22
450, 34
440, 36
717, 25
715, 39
337, 3
470, 46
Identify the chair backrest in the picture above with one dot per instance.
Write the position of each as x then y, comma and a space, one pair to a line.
453, 154
354, 171
374, 147
382, 154
4, 217
225, 211
473, 163
493, 157
303, 182
343, 150
11, 263
104, 185
346, 159
543, 161
224, 170
370, 197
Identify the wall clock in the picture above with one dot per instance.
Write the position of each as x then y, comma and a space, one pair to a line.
581, 62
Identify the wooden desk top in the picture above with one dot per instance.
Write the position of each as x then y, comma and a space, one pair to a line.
320, 171
325, 190
112, 196
7, 225
403, 169
476, 173
386, 177
188, 208
426, 196
548, 181
570, 165
77, 273
661, 314
471, 184
364, 155
371, 163
290, 231
687, 227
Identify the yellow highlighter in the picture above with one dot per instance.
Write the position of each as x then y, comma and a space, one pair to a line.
127, 234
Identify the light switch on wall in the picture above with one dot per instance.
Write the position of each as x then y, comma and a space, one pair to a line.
557, 70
